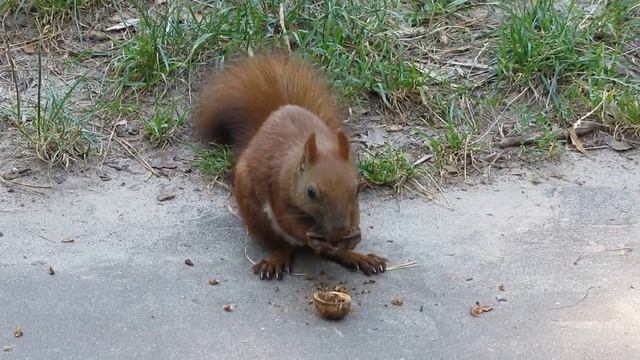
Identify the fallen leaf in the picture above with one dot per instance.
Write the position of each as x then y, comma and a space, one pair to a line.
97, 36
575, 140
476, 309
450, 169
618, 145
394, 127
188, 262
444, 38
29, 49
18, 332
397, 301
164, 159
501, 287
17, 173
214, 282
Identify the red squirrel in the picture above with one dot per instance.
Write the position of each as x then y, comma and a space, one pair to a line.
294, 178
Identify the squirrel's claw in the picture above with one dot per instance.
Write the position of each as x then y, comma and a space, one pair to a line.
274, 266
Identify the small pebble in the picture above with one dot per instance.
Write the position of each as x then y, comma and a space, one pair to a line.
166, 197
58, 178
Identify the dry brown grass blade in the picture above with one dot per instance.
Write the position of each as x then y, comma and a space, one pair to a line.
14, 77
283, 28
28, 187
136, 155
406, 265
584, 128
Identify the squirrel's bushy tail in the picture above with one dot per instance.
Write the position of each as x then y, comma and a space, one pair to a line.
235, 103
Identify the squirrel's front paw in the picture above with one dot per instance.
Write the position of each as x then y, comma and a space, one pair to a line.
278, 263
368, 264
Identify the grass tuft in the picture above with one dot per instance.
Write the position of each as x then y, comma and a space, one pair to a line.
388, 167
575, 58
49, 12
216, 161
58, 135
164, 124
166, 45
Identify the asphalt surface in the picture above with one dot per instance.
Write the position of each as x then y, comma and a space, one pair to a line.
555, 251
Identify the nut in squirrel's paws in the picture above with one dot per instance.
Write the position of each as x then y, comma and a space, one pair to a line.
334, 242
274, 266
369, 264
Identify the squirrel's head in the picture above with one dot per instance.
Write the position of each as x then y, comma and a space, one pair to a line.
327, 193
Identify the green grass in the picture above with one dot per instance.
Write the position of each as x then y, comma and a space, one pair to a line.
352, 40
217, 161
49, 12
390, 58
543, 44
572, 59
58, 135
164, 125
166, 44
449, 149
387, 167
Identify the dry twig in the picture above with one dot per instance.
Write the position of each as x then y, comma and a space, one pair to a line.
586, 293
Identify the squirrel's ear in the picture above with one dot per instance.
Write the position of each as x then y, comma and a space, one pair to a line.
310, 150
343, 145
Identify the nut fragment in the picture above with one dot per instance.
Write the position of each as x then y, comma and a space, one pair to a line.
213, 281
397, 301
476, 310
18, 332
228, 308
332, 305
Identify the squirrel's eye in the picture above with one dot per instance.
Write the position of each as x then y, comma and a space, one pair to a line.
311, 192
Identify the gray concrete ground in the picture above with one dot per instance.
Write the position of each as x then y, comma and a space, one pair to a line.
554, 238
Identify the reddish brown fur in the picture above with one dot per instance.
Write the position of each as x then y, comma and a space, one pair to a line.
237, 101
285, 126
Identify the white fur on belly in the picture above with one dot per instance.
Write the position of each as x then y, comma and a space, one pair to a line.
276, 227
